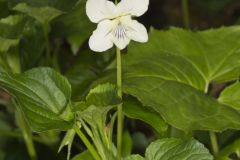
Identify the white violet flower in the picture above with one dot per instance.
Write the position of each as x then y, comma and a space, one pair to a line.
115, 23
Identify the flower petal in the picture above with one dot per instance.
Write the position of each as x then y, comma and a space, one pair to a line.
135, 30
133, 7
121, 43
101, 39
98, 10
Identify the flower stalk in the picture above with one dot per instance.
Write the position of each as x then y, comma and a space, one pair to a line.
120, 112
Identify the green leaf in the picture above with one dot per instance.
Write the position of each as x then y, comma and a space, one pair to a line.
99, 102
173, 80
231, 96
42, 14
134, 157
134, 109
44, 96
86, 155
181, 105
194, 60
176, 149
103, 95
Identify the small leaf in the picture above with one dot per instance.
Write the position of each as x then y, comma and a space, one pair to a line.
42, 14
44, 97
86, 155
231, 96
100, 100
103, 95
79, 106
171, 148
134, 157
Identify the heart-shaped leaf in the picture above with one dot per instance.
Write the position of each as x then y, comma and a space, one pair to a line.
103, 95
173, 80
196, 59
44, 97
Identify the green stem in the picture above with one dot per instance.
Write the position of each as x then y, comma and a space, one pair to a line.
214, 143
48, 54
89, 146
185, 10
27, 135
120, 112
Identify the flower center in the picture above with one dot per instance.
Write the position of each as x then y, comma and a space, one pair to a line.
120, 32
